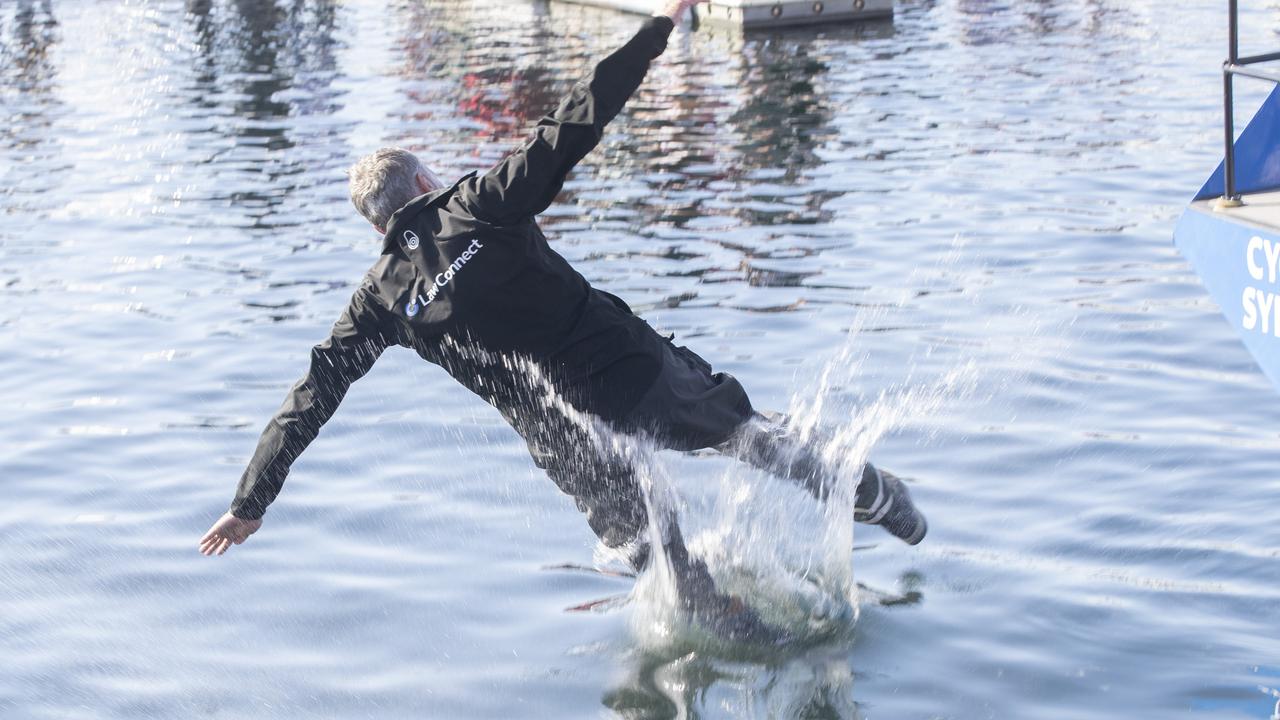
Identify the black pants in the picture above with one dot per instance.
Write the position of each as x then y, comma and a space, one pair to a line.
688, 407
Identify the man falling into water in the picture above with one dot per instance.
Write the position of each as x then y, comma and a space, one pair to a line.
467, 280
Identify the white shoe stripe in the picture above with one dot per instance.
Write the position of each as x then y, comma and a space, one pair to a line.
875, 519
876, 508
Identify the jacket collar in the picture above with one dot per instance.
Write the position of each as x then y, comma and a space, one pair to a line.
411, 209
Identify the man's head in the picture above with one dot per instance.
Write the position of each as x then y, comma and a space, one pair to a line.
385, 181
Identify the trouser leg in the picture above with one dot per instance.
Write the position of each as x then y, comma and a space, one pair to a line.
771, 443
603, 484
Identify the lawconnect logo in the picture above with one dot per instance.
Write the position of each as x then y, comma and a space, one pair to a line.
411, 239
412, 307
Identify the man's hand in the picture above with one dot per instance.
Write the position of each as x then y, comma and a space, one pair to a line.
229, 529
674, 9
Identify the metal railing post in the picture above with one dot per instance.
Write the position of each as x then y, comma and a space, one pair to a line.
1236, 65
1230, 197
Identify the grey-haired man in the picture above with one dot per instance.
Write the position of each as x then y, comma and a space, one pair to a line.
468, 281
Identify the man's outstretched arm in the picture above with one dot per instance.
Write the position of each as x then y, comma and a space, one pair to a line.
525, 182
353, 346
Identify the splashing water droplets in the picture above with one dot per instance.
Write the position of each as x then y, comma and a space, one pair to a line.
767, 541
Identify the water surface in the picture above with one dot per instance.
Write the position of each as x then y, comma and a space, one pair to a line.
980, 190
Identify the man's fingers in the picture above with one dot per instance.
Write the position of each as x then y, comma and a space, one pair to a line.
210, 545
214, 545
225, 533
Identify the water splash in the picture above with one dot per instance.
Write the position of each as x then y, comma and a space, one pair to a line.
768, 542
788, 557
765, 540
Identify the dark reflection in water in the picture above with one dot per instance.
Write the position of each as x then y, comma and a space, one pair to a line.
249, 54
26, 38
693, 158
986, 22
496, 89
815, 685
680, 127
29, 106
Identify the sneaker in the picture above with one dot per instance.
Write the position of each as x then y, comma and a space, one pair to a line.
883, 500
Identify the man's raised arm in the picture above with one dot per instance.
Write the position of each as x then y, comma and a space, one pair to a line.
525, 182
353, 346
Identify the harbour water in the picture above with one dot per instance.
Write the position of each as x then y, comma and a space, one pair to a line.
948, 235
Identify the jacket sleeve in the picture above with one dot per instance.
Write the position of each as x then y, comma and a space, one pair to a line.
528, 179
353, 346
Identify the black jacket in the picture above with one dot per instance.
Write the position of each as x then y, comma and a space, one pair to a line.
467, 280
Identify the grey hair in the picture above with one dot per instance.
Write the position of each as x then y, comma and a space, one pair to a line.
383, 182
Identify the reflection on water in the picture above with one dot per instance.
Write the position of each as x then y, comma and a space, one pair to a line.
27, 95
991, 184
816, 684
266, 66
